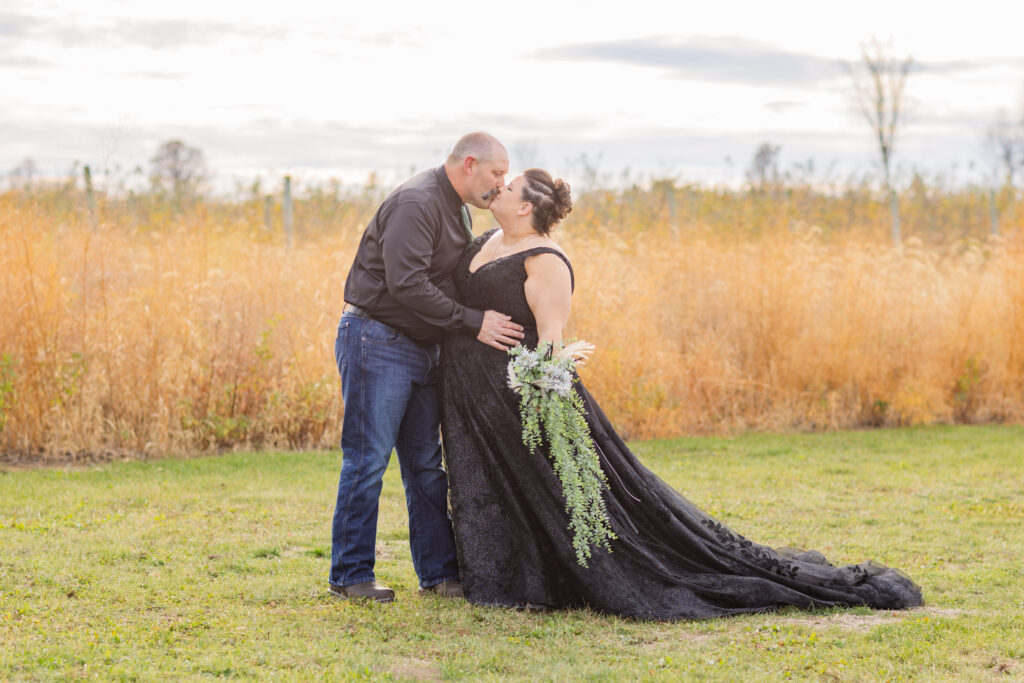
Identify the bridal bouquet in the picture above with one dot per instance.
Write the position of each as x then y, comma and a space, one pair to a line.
550, 410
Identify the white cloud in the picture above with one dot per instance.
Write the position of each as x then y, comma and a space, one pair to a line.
320, 88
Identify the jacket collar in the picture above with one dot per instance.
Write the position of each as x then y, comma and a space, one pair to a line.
450, 195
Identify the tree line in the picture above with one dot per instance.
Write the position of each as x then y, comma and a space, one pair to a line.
178, 171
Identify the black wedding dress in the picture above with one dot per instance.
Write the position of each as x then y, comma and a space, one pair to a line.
670, 560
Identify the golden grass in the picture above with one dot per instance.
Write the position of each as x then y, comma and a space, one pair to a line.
787, 332
165, 340
175, 333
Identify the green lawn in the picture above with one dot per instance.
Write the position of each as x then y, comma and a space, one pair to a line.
217, 567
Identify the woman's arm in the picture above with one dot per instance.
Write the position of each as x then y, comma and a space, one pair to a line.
549, 293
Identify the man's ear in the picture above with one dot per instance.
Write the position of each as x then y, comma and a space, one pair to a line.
467, 164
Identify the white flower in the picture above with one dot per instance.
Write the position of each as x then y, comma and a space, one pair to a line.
576, 351
513, 381
549, 374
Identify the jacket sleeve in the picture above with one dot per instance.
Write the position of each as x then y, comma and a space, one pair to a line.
408, 247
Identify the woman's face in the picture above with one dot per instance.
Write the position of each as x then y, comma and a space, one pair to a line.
509, 200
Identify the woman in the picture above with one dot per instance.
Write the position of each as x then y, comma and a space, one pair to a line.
669, 560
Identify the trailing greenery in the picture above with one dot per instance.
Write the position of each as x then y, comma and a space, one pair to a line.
551, 411
217, 566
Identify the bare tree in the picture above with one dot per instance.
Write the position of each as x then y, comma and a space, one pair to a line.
763, 173
526, 154
23, 174
1004, 140
879, 81
178, 168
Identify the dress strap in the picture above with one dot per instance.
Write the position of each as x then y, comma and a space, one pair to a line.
480, 241
542, 250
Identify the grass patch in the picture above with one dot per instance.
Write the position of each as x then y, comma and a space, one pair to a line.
217, 567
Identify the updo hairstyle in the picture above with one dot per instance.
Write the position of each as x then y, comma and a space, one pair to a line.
550, 199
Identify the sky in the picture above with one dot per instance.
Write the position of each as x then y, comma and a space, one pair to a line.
651, 88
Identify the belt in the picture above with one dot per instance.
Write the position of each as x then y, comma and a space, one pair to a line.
361, 312
356, 311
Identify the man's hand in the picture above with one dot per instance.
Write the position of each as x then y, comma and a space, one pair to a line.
499, 331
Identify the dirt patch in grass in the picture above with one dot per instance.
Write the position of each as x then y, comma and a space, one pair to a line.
416, 669
655, 641
866, 622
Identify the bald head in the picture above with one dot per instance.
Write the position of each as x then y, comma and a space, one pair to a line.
482, 146
477, 167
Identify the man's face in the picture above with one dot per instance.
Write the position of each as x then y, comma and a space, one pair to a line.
486, 176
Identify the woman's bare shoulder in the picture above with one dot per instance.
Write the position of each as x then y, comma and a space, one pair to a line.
548, 264
550, 244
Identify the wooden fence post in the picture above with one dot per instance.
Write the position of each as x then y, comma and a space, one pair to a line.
670, 198
894, 210
993, 212
268, 209
287, 211
90, 199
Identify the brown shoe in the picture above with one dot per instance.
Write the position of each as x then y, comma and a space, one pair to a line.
447, 589
368, 590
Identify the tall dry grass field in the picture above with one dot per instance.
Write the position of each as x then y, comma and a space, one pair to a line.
177, 339
787, 332
193, 331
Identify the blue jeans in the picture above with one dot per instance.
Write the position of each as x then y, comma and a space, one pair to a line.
390, 385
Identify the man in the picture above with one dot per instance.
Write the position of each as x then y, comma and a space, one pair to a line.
398, 304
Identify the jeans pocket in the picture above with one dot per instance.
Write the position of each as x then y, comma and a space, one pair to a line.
379, 333
340, 355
